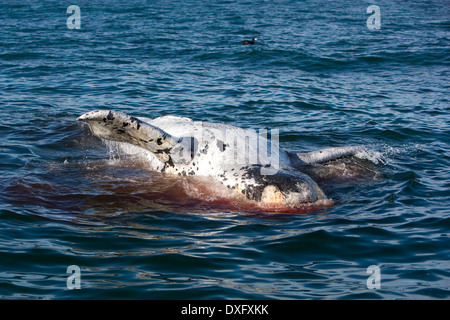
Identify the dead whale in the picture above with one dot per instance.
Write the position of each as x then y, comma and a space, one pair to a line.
243, 160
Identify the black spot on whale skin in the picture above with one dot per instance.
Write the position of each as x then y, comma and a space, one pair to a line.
253, 192
138, 122
168, 163
222, 146
166, 151
204, 150
110, 116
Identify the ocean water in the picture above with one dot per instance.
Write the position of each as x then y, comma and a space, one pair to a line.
317, 73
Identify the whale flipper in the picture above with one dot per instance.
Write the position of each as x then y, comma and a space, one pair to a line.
323, 155
118, 126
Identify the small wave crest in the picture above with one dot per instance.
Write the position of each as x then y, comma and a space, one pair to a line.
374, 156
386, 154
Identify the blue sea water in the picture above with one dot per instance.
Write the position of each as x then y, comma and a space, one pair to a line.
317, 73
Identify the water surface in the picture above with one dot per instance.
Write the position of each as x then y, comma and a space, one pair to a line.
316, 73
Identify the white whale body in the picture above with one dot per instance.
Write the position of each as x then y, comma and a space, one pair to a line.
243, 160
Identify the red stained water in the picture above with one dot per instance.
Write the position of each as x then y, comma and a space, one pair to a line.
112, 186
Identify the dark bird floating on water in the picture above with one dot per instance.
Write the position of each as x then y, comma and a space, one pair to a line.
245, 42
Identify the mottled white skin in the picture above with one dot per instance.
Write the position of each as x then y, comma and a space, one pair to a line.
230, 155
